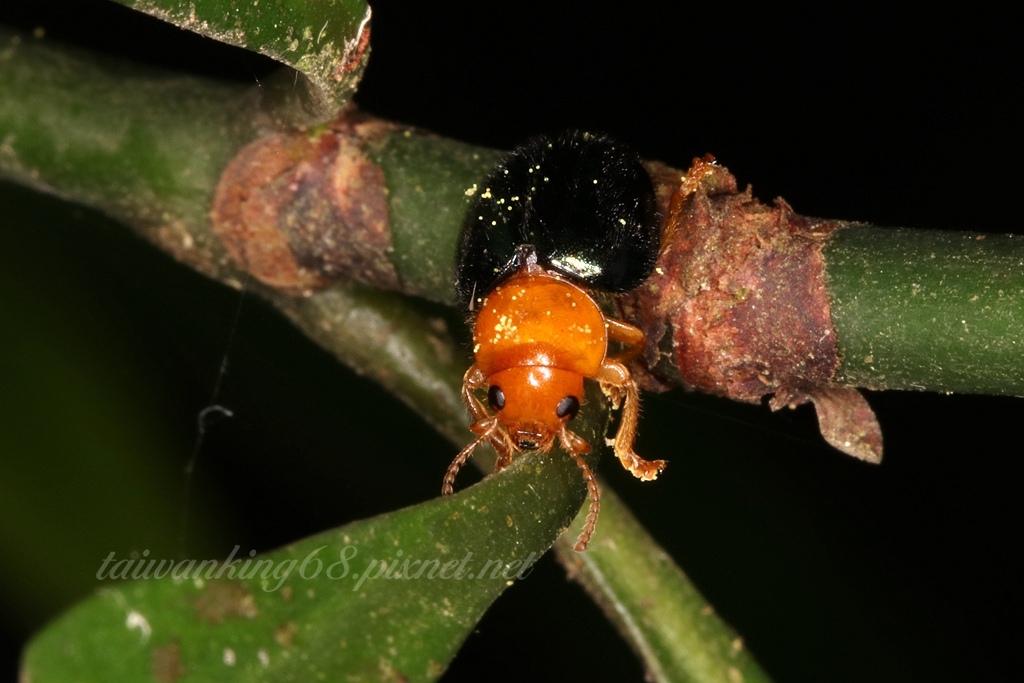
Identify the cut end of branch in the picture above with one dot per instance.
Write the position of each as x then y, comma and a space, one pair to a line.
738, 307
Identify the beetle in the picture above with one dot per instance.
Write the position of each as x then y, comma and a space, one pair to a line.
558, 219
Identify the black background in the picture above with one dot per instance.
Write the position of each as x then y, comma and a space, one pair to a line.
829, 568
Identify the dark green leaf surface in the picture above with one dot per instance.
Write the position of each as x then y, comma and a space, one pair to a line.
321, 39
388, 598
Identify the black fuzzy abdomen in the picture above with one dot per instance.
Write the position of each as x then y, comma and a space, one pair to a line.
583, 201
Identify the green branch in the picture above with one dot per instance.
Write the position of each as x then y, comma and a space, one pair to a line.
144, 146
644, 593
928, 310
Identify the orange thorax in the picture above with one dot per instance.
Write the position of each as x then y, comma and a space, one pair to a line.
536, 319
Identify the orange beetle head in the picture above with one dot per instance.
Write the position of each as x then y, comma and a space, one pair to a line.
534, 403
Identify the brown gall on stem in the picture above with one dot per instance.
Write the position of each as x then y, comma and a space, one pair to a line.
737, 306
299, 211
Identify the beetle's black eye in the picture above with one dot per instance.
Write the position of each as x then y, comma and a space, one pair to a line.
568, 407
496, 397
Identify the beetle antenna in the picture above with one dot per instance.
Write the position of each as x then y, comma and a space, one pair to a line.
595, 504
460, 460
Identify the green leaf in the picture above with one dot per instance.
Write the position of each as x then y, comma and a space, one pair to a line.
388, 598
327, 41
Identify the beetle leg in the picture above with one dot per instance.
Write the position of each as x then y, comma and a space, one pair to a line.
631, 338
504, 456
502, 444
473, 381
575, 446
616, 380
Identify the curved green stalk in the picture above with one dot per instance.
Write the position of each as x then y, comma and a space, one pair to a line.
630, 576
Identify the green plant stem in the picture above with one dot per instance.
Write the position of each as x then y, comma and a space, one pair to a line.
626, 571
913, 309
144, 146
928, 310
427, 179
386, 337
